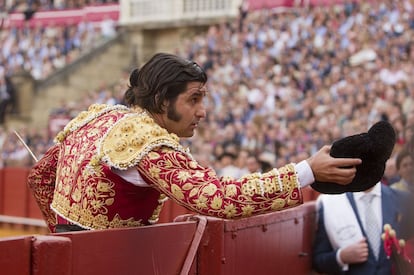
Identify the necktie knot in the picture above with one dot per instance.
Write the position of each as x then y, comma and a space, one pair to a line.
367, 198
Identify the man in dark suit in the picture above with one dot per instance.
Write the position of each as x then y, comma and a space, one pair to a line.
342, 244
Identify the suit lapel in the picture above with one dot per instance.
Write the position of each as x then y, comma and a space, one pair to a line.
389, 208
355, 209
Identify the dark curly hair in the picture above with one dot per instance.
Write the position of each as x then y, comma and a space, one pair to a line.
163, 77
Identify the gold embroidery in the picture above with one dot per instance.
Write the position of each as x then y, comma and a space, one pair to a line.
41, 181
133, 137
216, 202
176, 190
210, 189
231, 190
83, 195
84, 117
156, 213
278, 204
247, 210
201, 202
90, 201
130, 139
201, 190
230, 211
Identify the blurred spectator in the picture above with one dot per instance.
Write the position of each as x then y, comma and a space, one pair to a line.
18, 5
228, 167
14, 153
405, 169
7, 97
253, 164
390, 173
108, 27
409, 137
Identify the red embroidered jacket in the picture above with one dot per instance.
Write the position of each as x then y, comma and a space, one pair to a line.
75, 178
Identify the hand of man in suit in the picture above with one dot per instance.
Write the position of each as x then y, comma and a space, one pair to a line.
355, 253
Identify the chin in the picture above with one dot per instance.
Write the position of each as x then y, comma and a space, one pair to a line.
187, 134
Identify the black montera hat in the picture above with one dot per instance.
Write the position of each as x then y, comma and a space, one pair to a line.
374, 148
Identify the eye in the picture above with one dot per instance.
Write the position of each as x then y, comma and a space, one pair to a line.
194, 100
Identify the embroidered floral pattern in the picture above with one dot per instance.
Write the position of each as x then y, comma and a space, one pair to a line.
41, 181
73, 176
84, 194
132, 138
199, 189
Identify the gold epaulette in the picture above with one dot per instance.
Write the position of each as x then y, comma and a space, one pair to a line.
131, 138
84, 117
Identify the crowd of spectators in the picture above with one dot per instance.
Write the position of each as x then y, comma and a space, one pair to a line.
284, 84
41, 5
290, 83
41, 50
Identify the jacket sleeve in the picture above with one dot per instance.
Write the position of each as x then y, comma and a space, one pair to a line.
41, 181
200, 190
323, 254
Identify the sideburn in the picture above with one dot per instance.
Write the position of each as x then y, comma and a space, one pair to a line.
172, 112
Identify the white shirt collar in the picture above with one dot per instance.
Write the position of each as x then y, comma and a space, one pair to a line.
376, 190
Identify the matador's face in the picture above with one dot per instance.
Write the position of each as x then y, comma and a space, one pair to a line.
182, 116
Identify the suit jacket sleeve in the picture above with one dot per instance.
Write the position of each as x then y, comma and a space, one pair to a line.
41, 181
324, 256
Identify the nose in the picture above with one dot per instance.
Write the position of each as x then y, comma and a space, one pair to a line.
201, 112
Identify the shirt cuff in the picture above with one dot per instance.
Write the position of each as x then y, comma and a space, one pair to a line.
305, 174
338, 259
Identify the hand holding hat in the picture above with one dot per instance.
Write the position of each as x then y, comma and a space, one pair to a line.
374, 148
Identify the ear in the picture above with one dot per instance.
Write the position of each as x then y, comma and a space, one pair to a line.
163, 105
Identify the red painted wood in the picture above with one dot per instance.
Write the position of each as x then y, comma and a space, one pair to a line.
33, 210
51, 255
171, 210
15, 255
276, 243
15, 192
1, 191
158, 249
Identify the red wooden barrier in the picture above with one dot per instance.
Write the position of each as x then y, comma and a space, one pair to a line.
52, 255
33, 210
15, 197
276, 243
171, 210
15, 255
158, 249
309, 194
15, 192
1, 190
